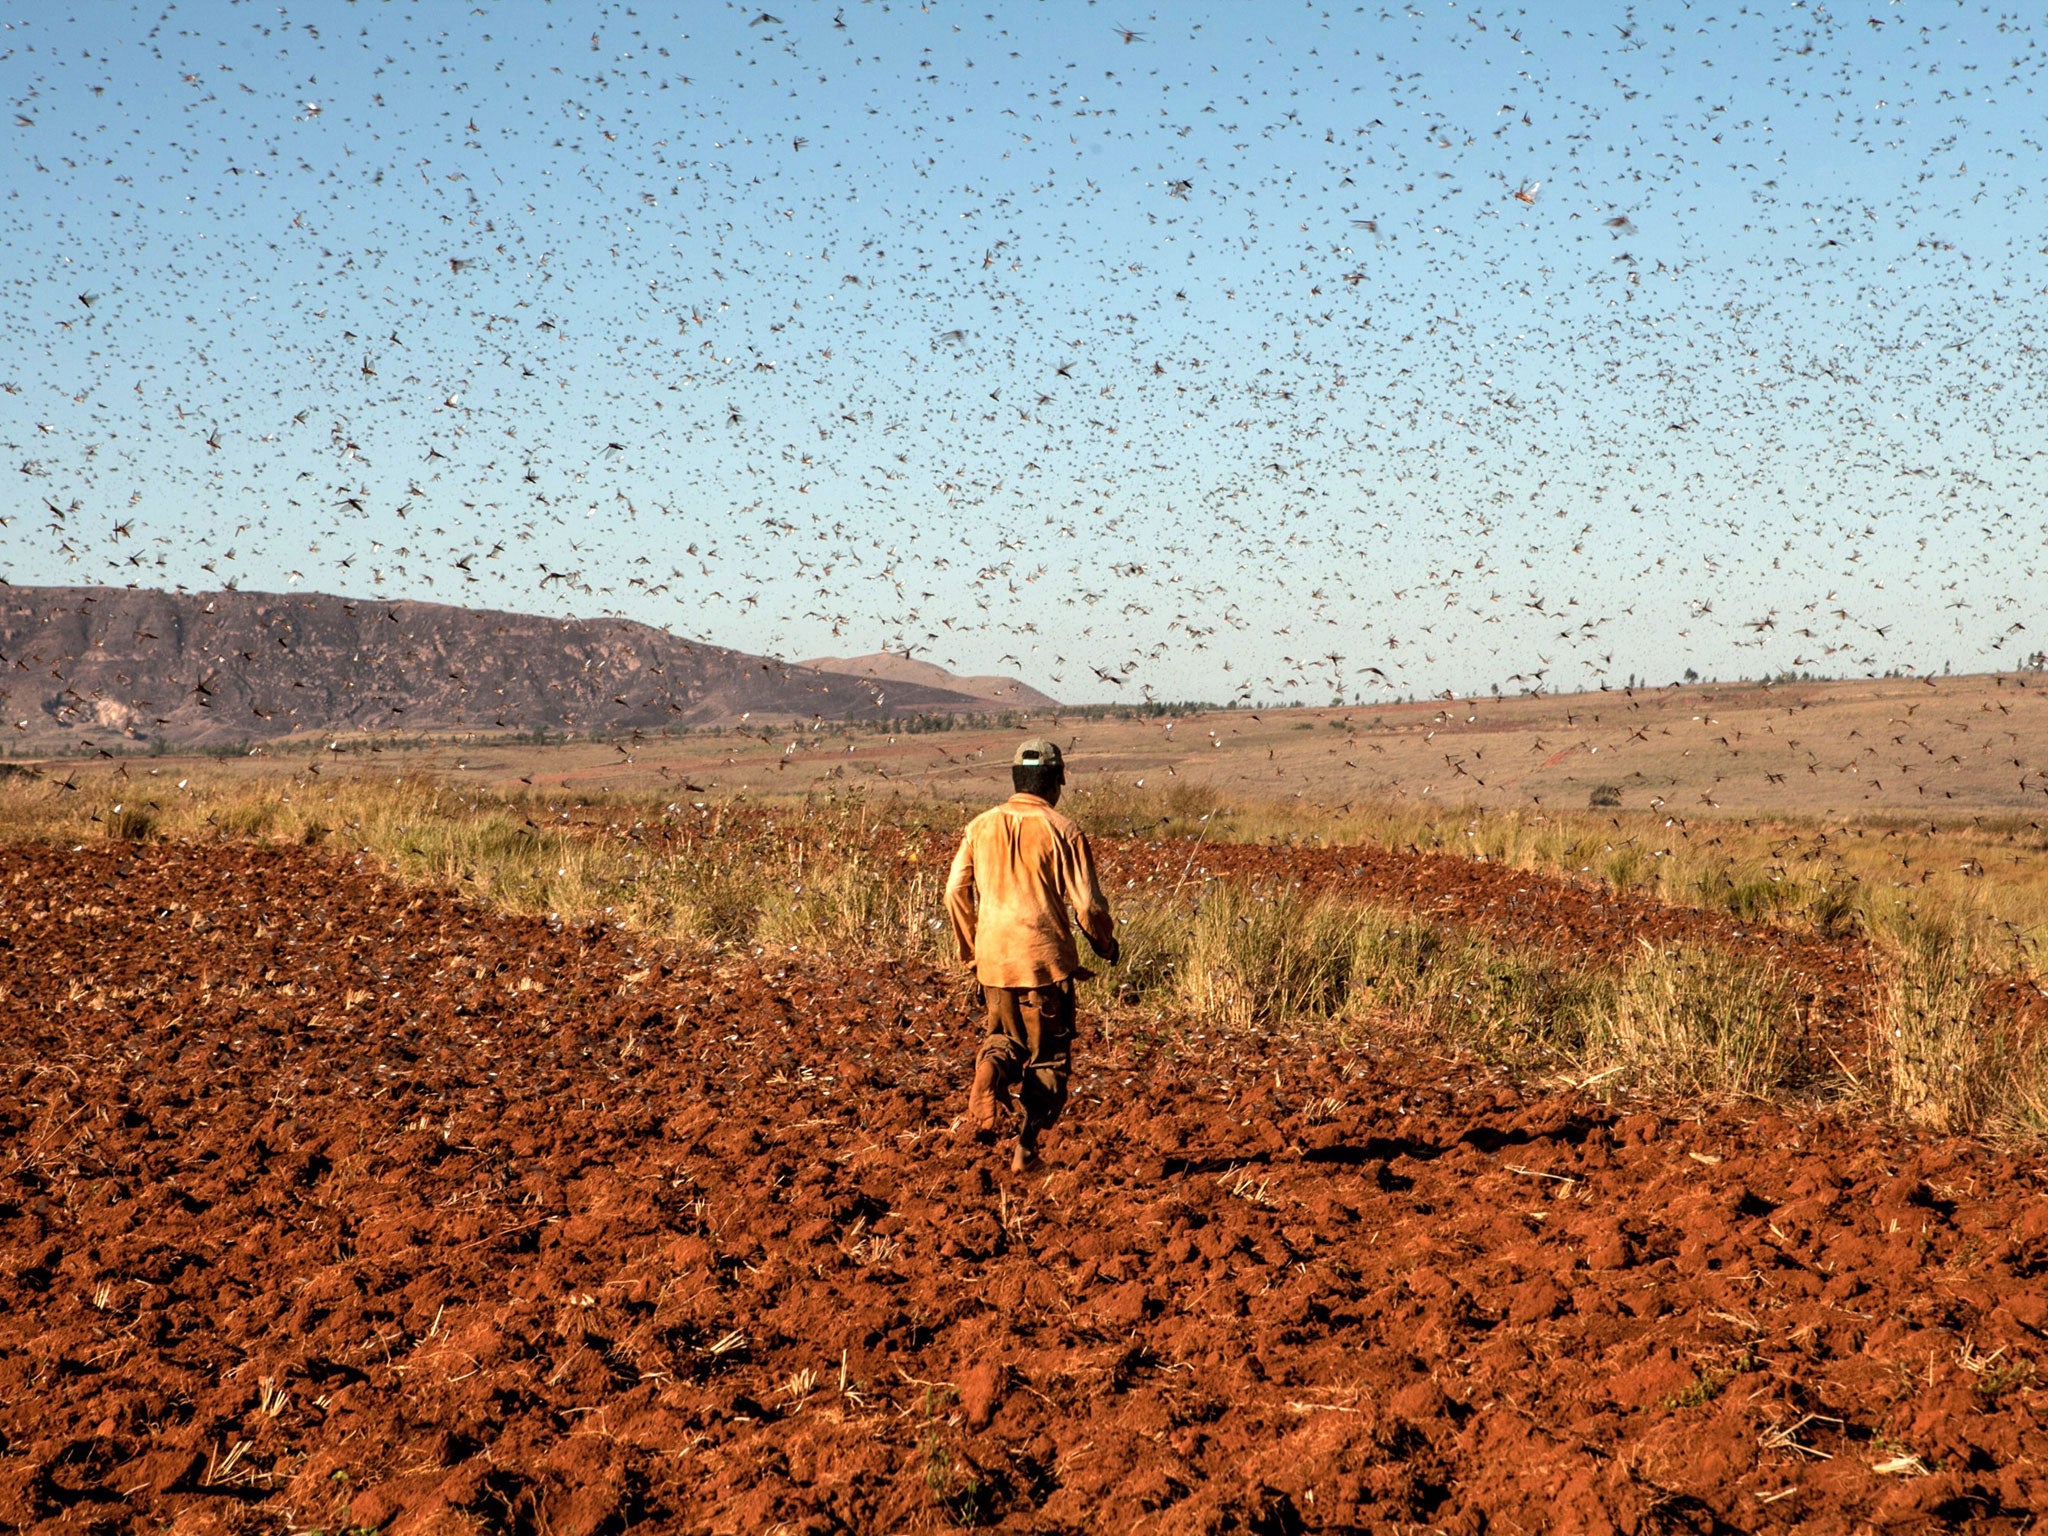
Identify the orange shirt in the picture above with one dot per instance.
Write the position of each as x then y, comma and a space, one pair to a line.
1020, 866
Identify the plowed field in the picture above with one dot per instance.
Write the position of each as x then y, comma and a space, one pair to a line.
327, 1203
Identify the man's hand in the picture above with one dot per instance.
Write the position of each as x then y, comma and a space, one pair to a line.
1108, 950
977, 994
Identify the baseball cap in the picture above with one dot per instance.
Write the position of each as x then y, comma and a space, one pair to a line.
1035, 752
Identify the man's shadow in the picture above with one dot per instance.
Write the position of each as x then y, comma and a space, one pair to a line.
1384, 1150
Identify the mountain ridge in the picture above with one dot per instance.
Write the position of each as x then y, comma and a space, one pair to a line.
108, 665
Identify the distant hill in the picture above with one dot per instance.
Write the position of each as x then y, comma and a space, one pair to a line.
108, 664
894, 667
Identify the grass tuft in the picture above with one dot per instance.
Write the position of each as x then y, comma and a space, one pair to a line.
1692, 1021
1940, 1056
1251, 956
1937, 1066
128, 824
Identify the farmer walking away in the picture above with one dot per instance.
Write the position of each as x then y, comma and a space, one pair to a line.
1019, 868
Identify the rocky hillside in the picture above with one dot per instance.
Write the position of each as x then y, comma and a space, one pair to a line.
110, 665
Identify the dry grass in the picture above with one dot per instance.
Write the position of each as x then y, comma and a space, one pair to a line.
1244, 957
1829, 877
1940, 1058
1689, 1022
843, 876
1806, 872
1685, 1022
1255, 957
683, 870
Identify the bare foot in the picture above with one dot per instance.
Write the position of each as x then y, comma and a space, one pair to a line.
1024, 1157
982, 1100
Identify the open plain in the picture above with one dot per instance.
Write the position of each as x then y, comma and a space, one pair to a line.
1941, 747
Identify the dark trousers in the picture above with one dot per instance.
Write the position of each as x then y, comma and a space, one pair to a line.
1029, 1045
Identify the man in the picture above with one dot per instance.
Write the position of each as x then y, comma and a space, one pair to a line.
1019, 868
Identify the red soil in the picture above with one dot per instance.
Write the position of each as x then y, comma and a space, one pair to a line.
329, 1203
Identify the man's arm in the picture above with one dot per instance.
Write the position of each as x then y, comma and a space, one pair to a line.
960, 902
1084, 894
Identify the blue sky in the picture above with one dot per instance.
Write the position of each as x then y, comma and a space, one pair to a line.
1219, 359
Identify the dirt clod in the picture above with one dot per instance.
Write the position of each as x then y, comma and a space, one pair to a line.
982, 1388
